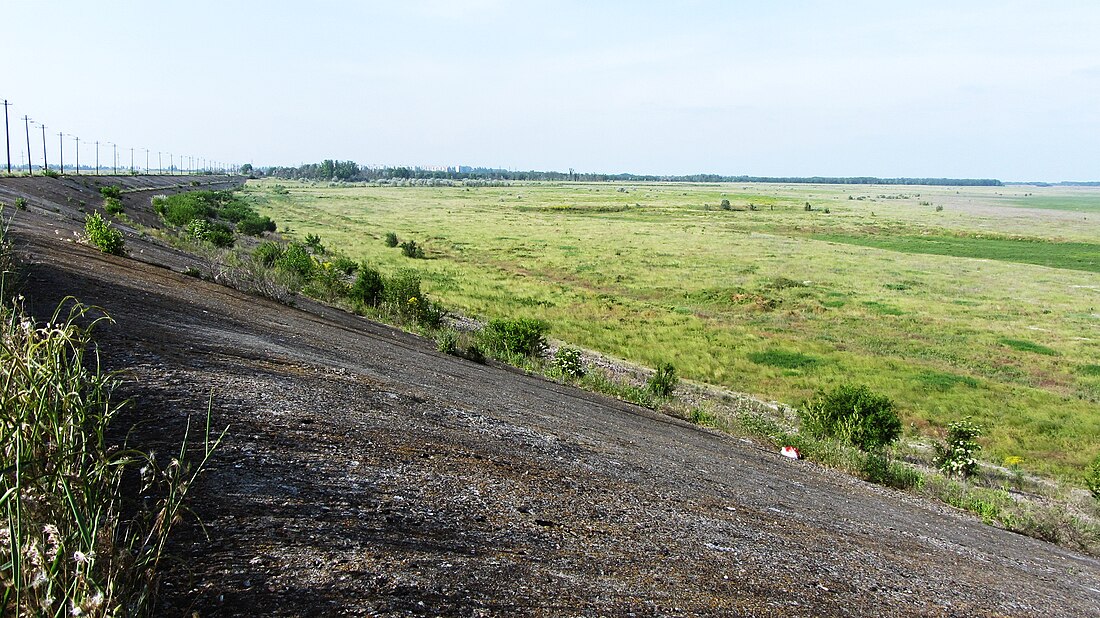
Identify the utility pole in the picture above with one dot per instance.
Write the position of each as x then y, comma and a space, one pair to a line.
77, 153
97, 157
160, 163
114, 159
27, 130
146, 160
45, 162
131, 161
61, 144
7, 135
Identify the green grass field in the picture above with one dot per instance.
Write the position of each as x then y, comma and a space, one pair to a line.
953, 301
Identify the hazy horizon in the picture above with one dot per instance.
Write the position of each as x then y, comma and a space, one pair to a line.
1005, 90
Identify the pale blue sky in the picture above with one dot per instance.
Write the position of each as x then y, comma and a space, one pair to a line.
1005, 89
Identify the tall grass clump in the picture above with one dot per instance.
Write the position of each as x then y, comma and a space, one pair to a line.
519, 337
72, 541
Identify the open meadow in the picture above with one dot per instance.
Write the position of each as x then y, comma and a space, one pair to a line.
971, 301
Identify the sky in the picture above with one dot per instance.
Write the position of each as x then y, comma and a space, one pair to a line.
1005, 89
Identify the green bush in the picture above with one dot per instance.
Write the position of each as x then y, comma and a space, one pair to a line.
1092, 478
345, 264
725, 205
21, 203
410, 249
48, 173
369, 286
955, 457
522, 336
114, 191
255, 226
852, 414
391, 239
877, 467
297, 259
664, 381
102, 235
313, 241
217, 234
112, 206
183, 208
268, 253
569, 363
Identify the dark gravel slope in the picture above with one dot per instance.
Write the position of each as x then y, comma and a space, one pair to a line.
366, 474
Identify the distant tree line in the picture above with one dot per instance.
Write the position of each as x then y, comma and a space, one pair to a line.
350, 171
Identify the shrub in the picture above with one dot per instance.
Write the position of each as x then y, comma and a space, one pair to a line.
112, 206
102, 235
217, 234
256, 226
877, 467
522, 336
391, 239
725, 205
313, 241
402, 290
568, 361
268, 253
446, 341
183, 208
664, 381
114, 191
852, 414
48, 173
1092, 478
21, 203
410, 249
955, 457
368, 287
345, 264
296, 259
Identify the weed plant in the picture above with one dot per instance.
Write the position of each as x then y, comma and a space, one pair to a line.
102, 235
72, 541
663, 381
957, 456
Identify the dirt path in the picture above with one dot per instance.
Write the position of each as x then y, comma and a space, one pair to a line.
366, 474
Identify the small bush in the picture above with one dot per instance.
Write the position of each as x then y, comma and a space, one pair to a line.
391, 239
1092, 478
955, 457
102, 235
48, 173
256, 226
725, 205
877, 467
112, 206
410, 249
114, 191
217, 234
446, 341
183, 208
297, 260
345, 264
268, 253
522, 336
368, 287
568, 361
664, 381
313, 241
852, 414
21, 203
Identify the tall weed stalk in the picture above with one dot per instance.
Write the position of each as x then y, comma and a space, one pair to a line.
73, 541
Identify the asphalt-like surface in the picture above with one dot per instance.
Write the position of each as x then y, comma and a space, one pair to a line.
366, 474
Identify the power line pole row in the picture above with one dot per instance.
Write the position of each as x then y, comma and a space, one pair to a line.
205, 165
